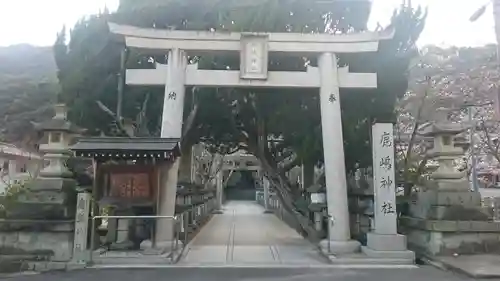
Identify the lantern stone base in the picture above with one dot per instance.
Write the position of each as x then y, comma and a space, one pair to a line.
446, 222
435, 204
45, 199
447, 237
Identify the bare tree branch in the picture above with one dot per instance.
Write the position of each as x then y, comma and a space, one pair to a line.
292, 164
411, 144
118, 122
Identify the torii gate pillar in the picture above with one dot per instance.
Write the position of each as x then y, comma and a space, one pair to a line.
333, 149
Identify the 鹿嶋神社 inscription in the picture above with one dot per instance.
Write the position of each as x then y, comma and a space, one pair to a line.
384, 179
384, 241
81, 226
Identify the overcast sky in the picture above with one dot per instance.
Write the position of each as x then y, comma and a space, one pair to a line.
37, 21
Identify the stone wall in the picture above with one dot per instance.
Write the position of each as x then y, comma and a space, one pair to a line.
445, 223
452, 237
39, 240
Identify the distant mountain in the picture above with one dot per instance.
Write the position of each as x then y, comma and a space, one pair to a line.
28, 89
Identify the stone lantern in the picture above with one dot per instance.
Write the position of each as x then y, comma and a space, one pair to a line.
446, 218
445, 151
45, 209
318, 204
54, 185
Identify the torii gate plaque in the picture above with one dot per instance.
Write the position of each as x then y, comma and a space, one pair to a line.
253, 56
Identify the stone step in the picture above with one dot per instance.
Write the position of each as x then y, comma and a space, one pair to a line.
360, 259
13, 265
132, 260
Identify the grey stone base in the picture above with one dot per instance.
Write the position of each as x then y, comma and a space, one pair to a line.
340, 247
268, 211
388, 246
362, 259
406, 257
55, 243
160, 247
386, 242
436, 243
55, 266
121, 246
81, 257
146, 245
132, 258
218, 212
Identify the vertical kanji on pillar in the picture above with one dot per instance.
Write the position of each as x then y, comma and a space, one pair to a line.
339, 240
173, 104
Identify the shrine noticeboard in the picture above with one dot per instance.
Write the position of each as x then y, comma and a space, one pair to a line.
130, 185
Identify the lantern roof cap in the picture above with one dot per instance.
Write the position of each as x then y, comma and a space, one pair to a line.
59, 122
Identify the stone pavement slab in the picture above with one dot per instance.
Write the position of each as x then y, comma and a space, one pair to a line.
245, 234
216, 253
476, 266
297, 254
253, 254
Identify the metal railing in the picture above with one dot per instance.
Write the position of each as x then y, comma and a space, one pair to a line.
176, 236
183, 224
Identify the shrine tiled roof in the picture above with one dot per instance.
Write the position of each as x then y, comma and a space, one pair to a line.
125, 147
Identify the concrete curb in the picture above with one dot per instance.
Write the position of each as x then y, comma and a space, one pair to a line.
255, 266
47, 268
13, 275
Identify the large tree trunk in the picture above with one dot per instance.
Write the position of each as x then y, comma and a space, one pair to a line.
287, 195
496, 16
186, 164
287, 199
307, 174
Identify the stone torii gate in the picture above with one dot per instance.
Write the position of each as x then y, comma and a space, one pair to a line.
233, 162
236, 162
254, 49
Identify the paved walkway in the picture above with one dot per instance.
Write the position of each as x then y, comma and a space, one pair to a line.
244, 235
